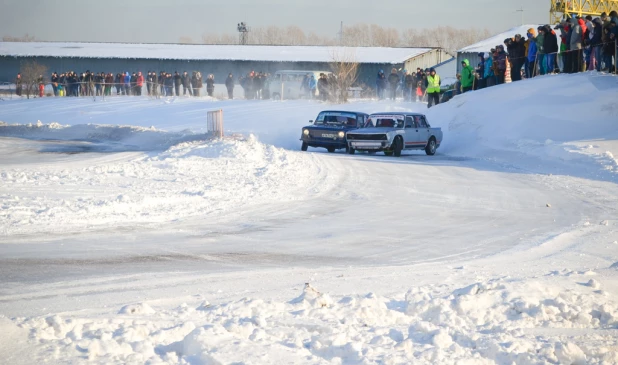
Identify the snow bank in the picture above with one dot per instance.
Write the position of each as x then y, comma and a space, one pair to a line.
561, 122
204, 178
501, 321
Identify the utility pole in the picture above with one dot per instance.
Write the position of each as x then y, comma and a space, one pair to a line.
341, 34
522, 14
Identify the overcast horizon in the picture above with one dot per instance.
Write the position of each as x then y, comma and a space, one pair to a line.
159, 21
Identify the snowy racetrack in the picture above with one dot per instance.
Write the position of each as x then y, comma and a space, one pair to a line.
134, 244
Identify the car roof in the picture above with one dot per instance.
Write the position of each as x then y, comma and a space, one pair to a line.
399, 113
342, 111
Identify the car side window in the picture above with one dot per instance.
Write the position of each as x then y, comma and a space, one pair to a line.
410, 122
423, 123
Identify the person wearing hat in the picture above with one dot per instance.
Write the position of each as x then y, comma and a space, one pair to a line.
532, 51
540, 50
480, 71
550, 46
433, 88
467, 76
500, 64
488, 76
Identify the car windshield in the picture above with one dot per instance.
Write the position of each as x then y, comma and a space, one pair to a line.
336, 118
387, 121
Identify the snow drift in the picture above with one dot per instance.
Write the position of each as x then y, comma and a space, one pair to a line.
499, 321
555, 124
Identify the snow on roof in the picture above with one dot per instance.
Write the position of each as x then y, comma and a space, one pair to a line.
208, 52
489, 43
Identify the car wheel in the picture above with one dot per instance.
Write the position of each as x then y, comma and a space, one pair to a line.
331, 149
351, 150
397, 147
430, 149
304, 146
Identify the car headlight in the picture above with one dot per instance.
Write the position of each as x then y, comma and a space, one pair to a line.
306, 132
341, 134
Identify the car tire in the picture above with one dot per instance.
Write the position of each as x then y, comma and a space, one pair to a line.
331, 149
351, 150
397, 147
430, 149
304, 146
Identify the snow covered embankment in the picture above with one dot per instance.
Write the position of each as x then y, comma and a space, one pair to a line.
500, 321
550, 124
188, 179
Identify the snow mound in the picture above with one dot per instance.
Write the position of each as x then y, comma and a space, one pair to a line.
498, 321
200, 178
540, 124
137, 309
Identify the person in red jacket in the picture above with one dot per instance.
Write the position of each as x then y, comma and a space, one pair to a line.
139, 83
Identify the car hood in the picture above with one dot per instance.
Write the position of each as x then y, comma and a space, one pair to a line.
379, 130
328, 128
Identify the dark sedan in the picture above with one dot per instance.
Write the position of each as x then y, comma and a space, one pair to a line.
330, 128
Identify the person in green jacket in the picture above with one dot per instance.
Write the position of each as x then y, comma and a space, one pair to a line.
467, 76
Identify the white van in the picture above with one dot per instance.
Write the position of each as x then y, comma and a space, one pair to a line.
287, 84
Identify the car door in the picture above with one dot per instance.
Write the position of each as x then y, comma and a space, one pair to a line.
423, 130
411, 132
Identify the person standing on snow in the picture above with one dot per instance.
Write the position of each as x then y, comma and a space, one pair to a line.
177, 82
229, 84
433, 88
480, 72
139, 84
313, 85
500, 64
127, 83
575, 46
186, 83
210, 85
393, 82
490, 79
532, 50
467, 76
550, 45
18, 85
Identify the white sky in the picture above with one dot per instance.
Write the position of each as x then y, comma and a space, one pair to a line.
165, 21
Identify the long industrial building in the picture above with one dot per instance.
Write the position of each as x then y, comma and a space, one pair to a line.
219, 60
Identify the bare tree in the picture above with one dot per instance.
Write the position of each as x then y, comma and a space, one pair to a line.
360, 35
32, 74
25, 38
345, 69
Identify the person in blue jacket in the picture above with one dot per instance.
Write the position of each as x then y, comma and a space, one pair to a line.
127, 83
313, 85
532, 51
490, 78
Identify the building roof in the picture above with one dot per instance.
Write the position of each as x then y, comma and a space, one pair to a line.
208, 52
489, 43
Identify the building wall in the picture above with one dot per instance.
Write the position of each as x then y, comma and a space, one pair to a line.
9, 66
472, 57
427, 60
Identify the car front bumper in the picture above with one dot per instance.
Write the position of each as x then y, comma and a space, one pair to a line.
370, 145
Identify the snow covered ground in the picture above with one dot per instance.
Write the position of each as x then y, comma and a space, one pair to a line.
127, 237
